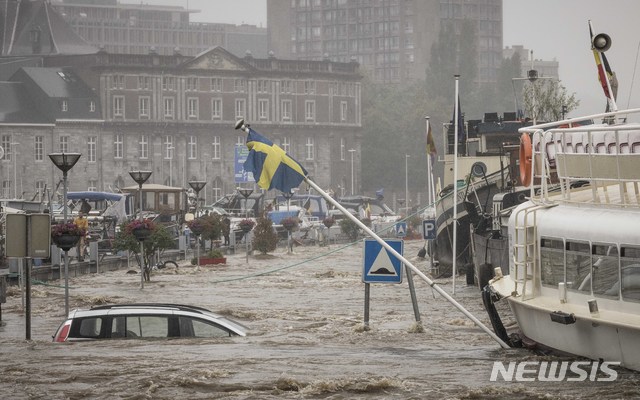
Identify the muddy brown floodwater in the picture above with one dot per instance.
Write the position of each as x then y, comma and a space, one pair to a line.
307, 341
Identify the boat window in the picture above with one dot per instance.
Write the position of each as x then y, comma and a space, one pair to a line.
578, 270
604, 275
630, 273
552, 261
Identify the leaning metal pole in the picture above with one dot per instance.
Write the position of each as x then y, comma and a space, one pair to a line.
406, 262
66, 252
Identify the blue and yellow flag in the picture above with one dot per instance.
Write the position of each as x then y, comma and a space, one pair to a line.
272, 168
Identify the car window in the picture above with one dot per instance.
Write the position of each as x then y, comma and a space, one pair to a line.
202, 328
90, 327
147, 326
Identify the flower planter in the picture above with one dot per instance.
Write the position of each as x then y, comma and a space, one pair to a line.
141, 233
66, 242
209, 261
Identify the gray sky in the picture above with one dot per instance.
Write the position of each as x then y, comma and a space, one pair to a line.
553, 29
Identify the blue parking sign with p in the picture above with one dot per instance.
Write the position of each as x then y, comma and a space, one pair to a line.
429, 229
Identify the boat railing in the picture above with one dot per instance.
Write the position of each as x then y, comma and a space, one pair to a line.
596, 164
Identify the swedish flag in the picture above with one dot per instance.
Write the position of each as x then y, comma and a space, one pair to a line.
272, 168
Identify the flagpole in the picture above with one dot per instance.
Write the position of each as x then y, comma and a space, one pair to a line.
405, 261
611, 99
455, 186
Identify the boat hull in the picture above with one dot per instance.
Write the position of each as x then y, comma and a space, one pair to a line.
587, 337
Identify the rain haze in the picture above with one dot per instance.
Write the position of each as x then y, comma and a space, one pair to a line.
552, 29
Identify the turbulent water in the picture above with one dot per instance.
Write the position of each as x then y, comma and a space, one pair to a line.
307, 338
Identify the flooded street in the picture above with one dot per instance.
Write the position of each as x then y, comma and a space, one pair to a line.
305, 311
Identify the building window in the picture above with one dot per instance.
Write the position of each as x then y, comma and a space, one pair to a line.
309, 87
6, 145
192, 83
263, 109
216, 84
240, 141
285, 86
144, 146
342, 149
144, 82
63, 144
39, 148
286, 144
143, 106
343, 111
192, 107
168, 83
240, 108
216, 148
117, 82
169, 107
93, 185
118, 106
263, 86
91, 148
310, 110
216, 108
193, 147
168, 147
118, 146
92, 106
309, 147
239, 85
286, 110
64, 106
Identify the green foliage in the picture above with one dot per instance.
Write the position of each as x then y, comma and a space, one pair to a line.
349, 228
215, 253
543, 100
213, 227
265, 239
160, 239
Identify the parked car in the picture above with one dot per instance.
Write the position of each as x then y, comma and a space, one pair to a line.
145, 321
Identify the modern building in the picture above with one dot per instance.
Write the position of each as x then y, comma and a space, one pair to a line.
123, 28
391, 39
548, 69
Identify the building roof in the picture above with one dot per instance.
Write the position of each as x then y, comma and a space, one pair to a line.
16, 106
25, 21
58, 82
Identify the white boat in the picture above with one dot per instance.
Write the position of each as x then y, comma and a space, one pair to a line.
574, 255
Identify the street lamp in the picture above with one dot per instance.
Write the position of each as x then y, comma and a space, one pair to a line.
64, 162
197, 186
246, 192
352, 179
406, 180
288, 196
170, 155
140, 177
15, 169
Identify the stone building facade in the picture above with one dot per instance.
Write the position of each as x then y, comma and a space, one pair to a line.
175, 116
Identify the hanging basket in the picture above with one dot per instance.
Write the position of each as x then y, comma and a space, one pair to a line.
66, 242
141, 234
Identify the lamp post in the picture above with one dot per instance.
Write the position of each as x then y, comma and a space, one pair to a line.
170, 155
352, 175
15, 169
197, 186
140, 177
288, 195
406, 181
64, 162
246, 192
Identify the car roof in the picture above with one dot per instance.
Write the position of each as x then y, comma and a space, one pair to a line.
160, 308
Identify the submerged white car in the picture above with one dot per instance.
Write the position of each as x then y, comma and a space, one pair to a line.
155, 321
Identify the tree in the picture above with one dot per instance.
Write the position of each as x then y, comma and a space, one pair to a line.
265, 239
160, 239
544, 100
